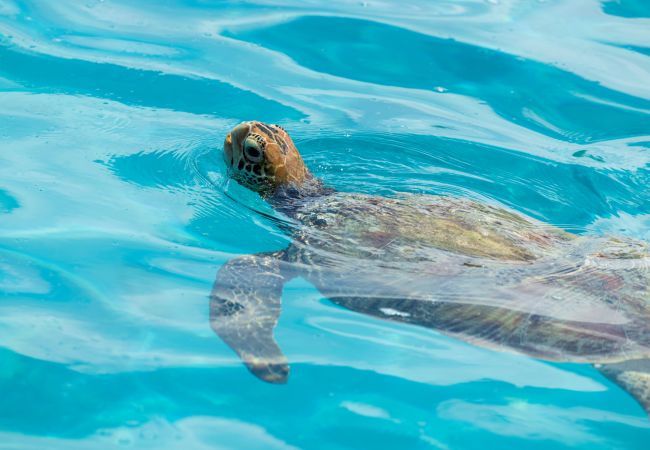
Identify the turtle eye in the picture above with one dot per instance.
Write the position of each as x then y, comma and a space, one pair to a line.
252, 150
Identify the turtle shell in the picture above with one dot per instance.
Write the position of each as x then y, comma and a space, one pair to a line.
479, 272
410, 226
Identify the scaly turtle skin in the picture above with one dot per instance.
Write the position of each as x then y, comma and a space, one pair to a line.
477, 272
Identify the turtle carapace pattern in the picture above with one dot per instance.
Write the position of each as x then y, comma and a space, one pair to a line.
474, 271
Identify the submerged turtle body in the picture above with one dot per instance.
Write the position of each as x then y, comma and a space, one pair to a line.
422, 227
477, 272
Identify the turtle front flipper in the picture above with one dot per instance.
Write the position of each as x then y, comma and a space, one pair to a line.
245, 306
633, 376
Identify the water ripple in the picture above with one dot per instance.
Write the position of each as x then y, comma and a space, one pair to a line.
116, 211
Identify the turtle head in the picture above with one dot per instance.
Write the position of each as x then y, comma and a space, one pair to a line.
263, 157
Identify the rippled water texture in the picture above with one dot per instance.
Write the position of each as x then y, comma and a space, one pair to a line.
115, 211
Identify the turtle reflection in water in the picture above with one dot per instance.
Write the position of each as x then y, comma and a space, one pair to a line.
473, 271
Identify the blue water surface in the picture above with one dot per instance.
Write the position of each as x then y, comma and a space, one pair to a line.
116, 212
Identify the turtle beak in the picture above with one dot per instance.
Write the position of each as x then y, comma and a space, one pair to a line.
227, 150
239, 133
233, 144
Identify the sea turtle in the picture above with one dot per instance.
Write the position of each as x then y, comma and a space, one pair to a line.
474, 271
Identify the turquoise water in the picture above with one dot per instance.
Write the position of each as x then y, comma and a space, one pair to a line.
115, 211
